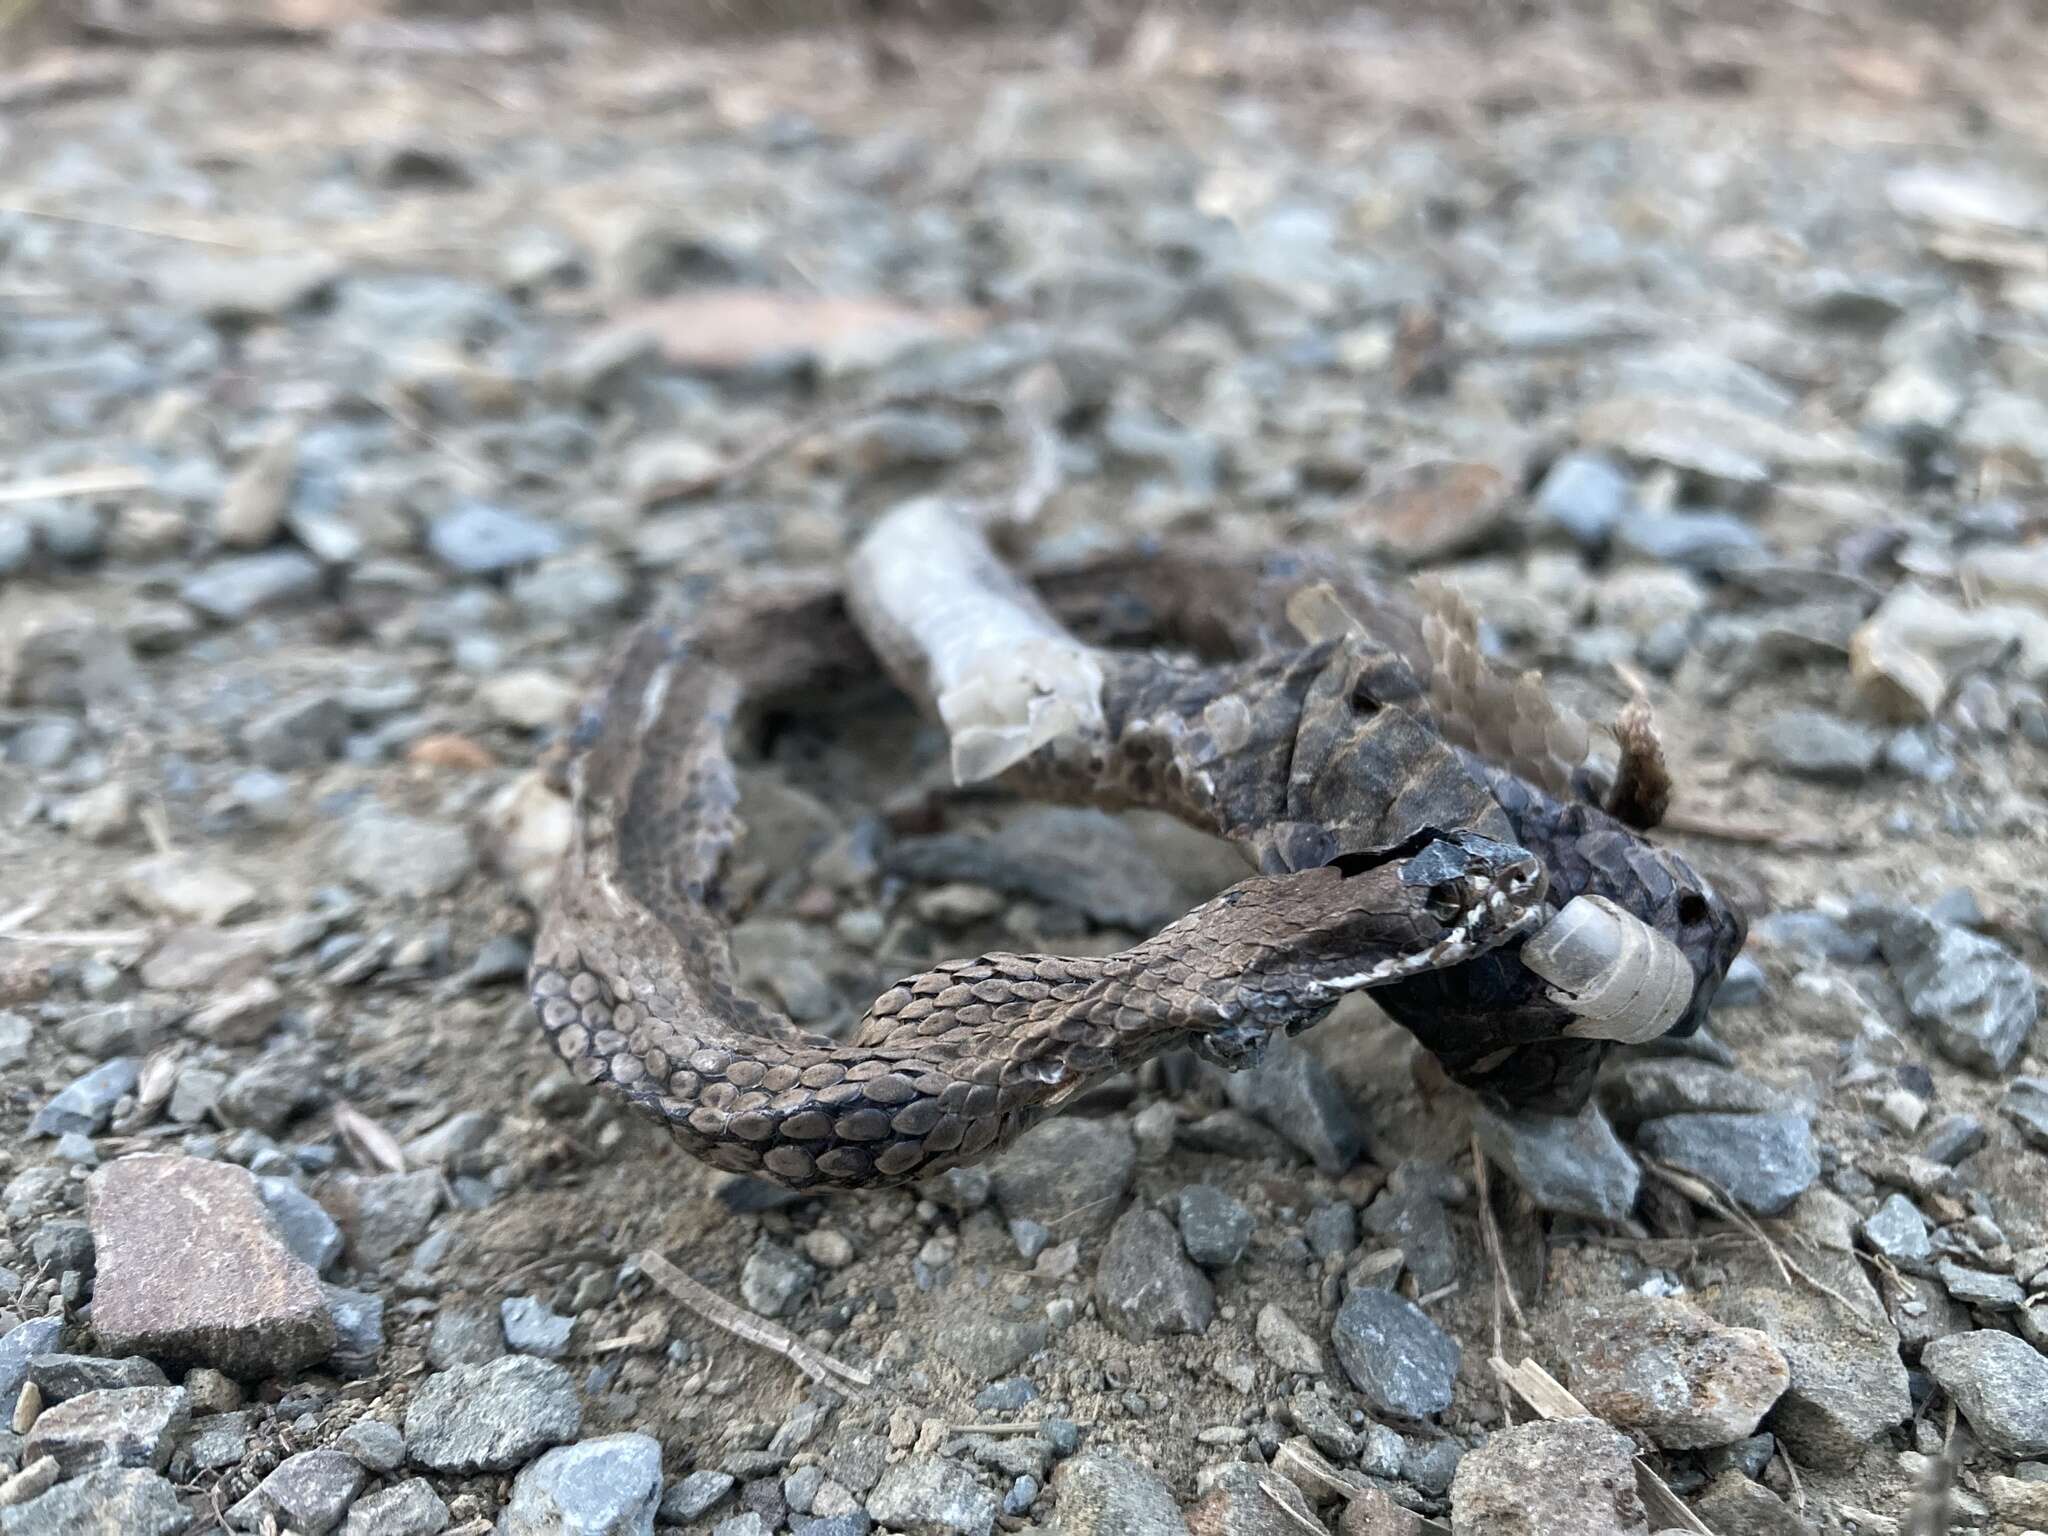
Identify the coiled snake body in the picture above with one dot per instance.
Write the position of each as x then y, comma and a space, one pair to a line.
1389, 859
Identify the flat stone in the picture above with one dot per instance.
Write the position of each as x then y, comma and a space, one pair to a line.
927, 1496
84, 1106
1763, 1161
108, 1502
774, 1280
125, 1427
491, 1418
1735, 1506
60, 1377
1571, 1164
1416, 1222
1975, 996
1820, 746
232, 590
2025, 1103
1103, 1493
609, 1486
1542, 1479
1214, 1228
1068, 1175
239, 288
1677, 1085
383, 1215
988, 1347
1403, 1363
477, 538
410, 1508
534, 1328
695, 1495
2001, 1385
21, 1344
302, 1222
1661, 1365
191, 1269
1848, 1385
309, 1493
358, 1331
1294, 1093
1898, 1231
1082, 859
1144, 1283
391, 854
189, 887
1980, 1288
1585, 497
1286, 1343
1239, 1502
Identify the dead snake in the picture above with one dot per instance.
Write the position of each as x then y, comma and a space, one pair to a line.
1391, 859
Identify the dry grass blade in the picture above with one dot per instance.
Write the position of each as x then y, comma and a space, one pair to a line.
368, 1142
1283, 1496
720, 1313
1705, 1192
1763, 834
1028, 1427
1546, 1395
79, 482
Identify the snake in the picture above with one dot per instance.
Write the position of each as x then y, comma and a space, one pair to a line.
1400, 842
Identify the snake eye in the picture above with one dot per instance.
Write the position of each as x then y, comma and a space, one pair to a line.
1692, 908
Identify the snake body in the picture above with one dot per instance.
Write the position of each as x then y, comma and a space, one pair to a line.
1389, 859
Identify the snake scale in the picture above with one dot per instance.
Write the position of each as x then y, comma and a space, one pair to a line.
1388, 858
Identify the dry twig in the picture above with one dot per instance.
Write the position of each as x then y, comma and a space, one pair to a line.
720, 1313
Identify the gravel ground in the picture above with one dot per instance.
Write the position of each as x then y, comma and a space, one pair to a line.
357, 389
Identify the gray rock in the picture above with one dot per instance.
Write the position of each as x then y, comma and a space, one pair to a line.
465, 1334
302, 1222
1584, 497
84, 1106
410, 1508
2001, 1385
1676, 1085
191, 1269
1215, 1229
1541, 1479
1237, 1501
774, 1280
1144, 1284
604, 1487
61, 1246
1848, 1384
1980, 1288
391, 854
2026, 1104
1331, 1229
376, 1443
1973, 994
1286, 1343
1764, 1162
532, 1327
1571, 1164
1068, 1175
927, 1496
1696, 541
300, 733
15, 1034
231, 590
358, 1331
986, 1347
1662, 1366
1739, 1507
125, 1427
1952, 1138
1102, 1493
694, 1495
109, 1502
1419, 1225
491, 1418
1323, 1422
309, 1492
1820, 746
21, 1344
1394, 1354
477, 538
59, 1377
746, 1524
383, 1215
1897, 1230
1294, 1093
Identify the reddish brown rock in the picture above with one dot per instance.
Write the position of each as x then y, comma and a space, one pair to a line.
1663, 1366
192, 1271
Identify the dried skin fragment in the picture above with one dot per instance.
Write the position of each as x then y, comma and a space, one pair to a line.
956, 628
